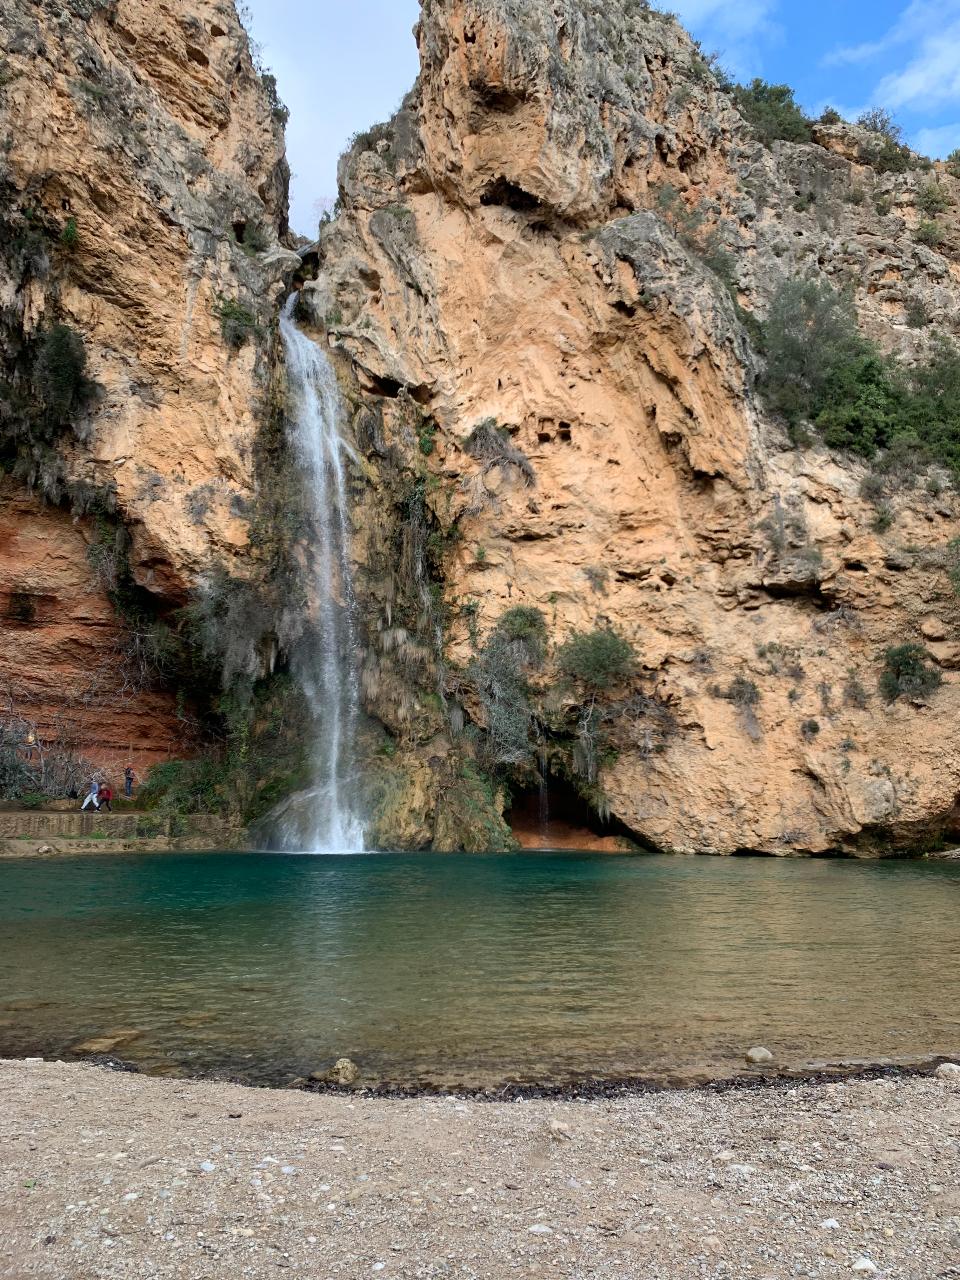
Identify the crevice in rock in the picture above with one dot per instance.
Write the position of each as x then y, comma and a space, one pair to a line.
499, 99
509, 195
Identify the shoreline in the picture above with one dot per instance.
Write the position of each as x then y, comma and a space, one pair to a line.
53, 847
692, 1080
113, 1173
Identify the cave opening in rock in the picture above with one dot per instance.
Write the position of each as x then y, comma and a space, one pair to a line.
555, 816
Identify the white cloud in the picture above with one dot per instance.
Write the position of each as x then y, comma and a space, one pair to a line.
915, 19
734, 20
736, 30
938, 142
930, 79
925, 40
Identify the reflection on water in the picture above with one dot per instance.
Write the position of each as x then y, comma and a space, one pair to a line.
472, 969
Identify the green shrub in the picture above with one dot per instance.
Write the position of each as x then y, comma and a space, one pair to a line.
809, 333
772, 112
879, 120
426, 438
809, 729
690, 227
279, 111
916, 314
906, 673
929, 233
60, 373
741, 692
932, 200
70, 235
822, 370
887, 154
597, 658
854, 694
237, 324
883, 519
831, 116
953, 163
525, 625
185, 786
251, 238
889, 157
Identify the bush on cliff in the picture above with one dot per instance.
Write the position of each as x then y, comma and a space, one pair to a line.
597, 659
772, 111
822, 370
60, 373
906, 673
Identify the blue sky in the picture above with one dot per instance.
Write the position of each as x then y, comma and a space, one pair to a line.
342, 67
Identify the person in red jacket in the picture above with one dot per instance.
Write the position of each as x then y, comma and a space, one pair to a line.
106, 795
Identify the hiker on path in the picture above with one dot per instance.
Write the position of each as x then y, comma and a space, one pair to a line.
92, 798
106, 795
129, 778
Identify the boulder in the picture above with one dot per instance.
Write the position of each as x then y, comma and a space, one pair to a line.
758, 1056
345, 1072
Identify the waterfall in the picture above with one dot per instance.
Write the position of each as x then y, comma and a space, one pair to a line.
543, 808
324, 818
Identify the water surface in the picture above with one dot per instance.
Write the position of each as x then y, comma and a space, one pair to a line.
478, 969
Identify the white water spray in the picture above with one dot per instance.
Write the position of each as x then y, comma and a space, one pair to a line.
324, 819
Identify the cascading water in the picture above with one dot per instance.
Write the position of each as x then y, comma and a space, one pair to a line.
543, 805
324, 818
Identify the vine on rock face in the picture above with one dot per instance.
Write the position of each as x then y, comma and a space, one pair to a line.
515, 649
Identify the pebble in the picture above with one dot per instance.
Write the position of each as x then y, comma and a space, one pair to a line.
949, 1071
829, 1224
864, 1267
758, 1054
540, 1230
207, 1166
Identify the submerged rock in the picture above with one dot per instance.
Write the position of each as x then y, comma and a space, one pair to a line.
343, 1072
106, 1043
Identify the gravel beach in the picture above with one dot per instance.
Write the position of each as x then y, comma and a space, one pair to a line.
114, 1175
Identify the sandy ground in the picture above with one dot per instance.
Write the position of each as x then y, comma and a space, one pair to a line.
113, 1175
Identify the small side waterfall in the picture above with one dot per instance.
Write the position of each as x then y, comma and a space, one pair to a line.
543, 798
324, 818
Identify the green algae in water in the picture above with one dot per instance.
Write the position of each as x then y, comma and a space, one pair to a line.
476, 970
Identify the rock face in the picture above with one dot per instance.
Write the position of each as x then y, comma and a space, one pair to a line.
516, 245
65, 667
142, 192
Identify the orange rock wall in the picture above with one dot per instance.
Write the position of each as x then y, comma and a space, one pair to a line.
63, 664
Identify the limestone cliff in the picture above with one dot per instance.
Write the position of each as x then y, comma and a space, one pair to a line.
534, 240
142, 197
